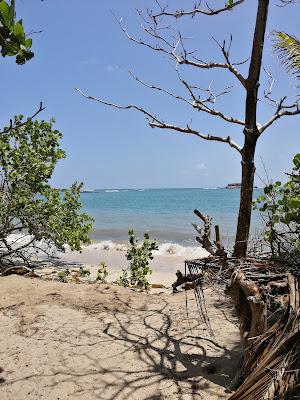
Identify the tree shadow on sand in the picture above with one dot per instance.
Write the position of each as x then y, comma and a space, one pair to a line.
157, 357
179, 357
2, 380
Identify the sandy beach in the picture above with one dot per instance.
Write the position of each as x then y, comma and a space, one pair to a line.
97, 341
166, 262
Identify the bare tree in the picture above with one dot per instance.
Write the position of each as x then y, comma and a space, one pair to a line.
160, 38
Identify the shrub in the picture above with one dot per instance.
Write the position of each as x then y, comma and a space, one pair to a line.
83, 272
102, 272
139, 257
280, 208
63, 275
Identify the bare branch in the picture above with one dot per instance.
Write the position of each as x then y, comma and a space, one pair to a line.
160, 89
13, 126
268, 92
204, 65
196, 10
188, 129
155, 122
282, 110
201, 105
171, 49
197, 103
287, 2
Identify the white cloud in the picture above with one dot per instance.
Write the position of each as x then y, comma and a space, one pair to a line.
88, 62
201, 166
112, 68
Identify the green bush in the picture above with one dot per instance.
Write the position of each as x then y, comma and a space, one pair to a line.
102, 272
139, 257
280, 208
63, 275
84, 272
29, 153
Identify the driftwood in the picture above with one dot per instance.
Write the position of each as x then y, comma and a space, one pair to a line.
271, 367
19, 270
267, 299
204, 232
186, 281
214, 248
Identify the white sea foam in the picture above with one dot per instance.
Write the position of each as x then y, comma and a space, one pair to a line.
174, 249
107, 245
165, 249
112, 191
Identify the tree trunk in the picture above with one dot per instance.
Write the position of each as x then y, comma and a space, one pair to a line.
244, 219
250, 131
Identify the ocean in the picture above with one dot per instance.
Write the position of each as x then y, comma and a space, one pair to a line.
166, 214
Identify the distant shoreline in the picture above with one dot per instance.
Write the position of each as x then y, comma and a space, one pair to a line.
111, 190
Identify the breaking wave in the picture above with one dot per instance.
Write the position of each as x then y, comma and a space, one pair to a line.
165, 249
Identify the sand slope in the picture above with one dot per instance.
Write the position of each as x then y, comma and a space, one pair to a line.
91, 341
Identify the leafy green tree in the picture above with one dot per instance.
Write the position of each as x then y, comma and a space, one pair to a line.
139, 257
29, 152
13, 40
280, 207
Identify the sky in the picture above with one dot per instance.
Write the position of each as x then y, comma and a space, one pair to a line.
82, 46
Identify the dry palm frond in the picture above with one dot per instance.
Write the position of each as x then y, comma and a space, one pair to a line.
273, 367
267, 300
276, 375
288, 47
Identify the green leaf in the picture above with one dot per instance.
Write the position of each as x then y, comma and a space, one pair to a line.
13, 38
28, 43
12, 12
18, 30
261, 198
296, 161
4, 13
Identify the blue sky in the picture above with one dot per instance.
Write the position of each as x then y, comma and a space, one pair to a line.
81, 45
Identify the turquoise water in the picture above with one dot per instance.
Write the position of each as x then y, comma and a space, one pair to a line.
166, 214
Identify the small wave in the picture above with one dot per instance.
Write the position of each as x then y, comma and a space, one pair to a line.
177, 250
112, 191
165, 249
107, 245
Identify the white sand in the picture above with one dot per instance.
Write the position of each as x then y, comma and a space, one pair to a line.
95, 341
166, 262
